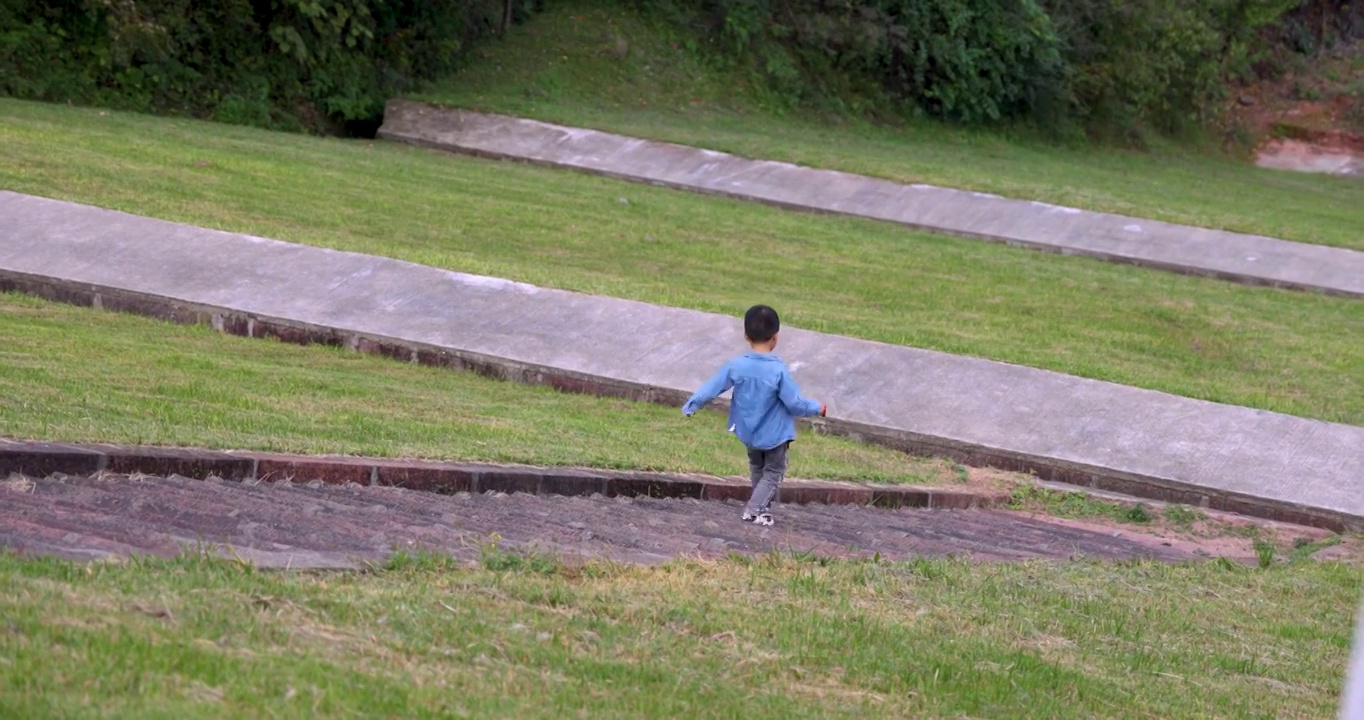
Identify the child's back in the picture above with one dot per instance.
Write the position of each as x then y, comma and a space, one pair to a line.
762, 410
765, 401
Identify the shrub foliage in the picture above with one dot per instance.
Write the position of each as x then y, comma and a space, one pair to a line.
1116, 65
293, 64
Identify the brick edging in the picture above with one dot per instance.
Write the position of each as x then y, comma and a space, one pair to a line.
42, 459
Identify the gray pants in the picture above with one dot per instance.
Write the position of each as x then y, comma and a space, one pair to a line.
766, 469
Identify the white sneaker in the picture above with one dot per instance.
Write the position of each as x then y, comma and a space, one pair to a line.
763, 519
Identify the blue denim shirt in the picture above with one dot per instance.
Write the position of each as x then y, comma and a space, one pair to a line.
765, 402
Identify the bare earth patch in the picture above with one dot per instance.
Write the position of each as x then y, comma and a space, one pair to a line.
1207, 533
1335, 158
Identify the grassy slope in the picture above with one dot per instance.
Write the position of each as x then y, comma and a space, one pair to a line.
739, 638
77, 374
1283, 351
561, 68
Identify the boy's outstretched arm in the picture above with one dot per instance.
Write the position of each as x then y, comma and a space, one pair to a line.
718, 383
796, 404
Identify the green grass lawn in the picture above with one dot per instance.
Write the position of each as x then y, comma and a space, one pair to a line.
526, 637
1278, 350
81, 375
772, 636
562, 67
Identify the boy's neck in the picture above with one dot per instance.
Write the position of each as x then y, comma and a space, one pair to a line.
764, 347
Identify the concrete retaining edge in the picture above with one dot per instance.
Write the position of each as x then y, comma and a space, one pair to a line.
247, 324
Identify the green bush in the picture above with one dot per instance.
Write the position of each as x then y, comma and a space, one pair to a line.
1157, 63
969, 60
1114, 64
290, 64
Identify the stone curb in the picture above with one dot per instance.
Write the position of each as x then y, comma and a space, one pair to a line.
41, 459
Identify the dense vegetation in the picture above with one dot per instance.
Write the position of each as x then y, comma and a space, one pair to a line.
329, 65
1099, 64
287, 64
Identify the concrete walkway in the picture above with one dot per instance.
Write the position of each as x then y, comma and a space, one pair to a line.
1081, 431
1242, 258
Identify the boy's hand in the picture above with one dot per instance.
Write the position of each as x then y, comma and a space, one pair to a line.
823, 410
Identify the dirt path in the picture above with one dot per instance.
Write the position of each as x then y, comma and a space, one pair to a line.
317, 525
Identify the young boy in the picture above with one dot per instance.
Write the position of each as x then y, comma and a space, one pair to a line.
762, 410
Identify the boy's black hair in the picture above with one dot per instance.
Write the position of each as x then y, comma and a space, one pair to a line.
761, 323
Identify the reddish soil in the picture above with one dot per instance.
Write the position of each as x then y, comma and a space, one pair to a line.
1228, 535
1310, 120
1307, 156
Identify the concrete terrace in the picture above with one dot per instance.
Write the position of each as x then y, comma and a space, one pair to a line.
1242, 258
1085, 432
